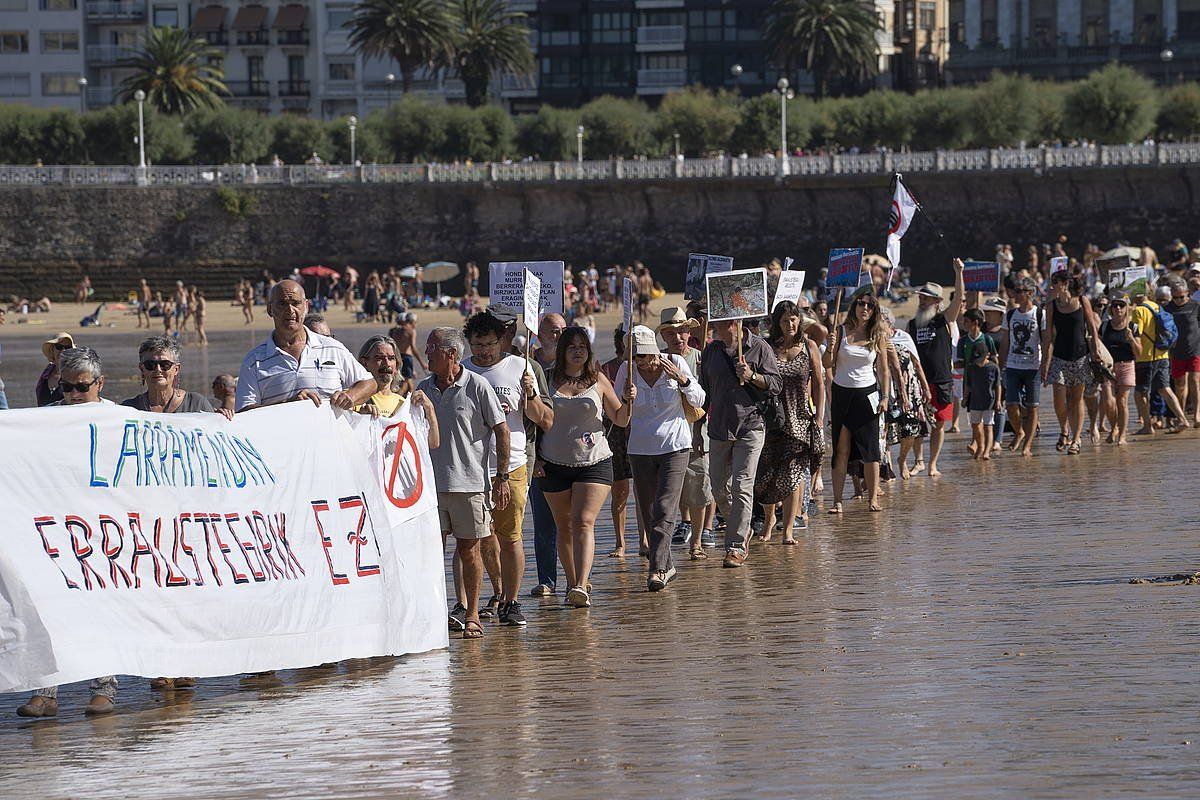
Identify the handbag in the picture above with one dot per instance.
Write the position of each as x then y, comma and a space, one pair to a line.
690, 412
1102, 364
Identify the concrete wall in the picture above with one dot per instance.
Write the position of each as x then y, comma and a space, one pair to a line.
53, 235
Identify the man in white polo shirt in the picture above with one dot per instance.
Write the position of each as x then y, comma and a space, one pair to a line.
297, 364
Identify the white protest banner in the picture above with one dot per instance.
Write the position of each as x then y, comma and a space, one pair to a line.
740, 294
791, 287
186, 544
506, 283
1058, 264
627, 302
700, 265
532, 301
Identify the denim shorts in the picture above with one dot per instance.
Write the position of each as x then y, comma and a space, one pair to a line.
1152, 376
1022, 387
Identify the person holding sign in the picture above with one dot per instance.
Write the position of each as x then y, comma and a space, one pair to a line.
857, 355
575, 466
930, 329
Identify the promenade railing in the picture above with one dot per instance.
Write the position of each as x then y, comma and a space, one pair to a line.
1039, 160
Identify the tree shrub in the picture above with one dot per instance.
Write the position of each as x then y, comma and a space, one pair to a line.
1113, 105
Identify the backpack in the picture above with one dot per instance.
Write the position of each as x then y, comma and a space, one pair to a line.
1166, 333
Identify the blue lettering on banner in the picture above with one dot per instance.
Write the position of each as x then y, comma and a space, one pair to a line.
163, 455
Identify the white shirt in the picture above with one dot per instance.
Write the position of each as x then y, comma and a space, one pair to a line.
269, 375
855, 367
658, 425
505, 379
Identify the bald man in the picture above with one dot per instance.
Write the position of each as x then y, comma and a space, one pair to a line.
297, 364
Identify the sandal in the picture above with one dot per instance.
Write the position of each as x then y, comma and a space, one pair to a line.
699, 555
789, 541
473, 630
1062, 442
1073, 450
836, 508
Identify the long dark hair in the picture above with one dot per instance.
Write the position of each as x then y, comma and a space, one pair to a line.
785, 309
590, 370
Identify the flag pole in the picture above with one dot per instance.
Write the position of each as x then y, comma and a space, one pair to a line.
921, 208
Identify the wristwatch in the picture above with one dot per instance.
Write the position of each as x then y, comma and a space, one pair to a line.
502, 476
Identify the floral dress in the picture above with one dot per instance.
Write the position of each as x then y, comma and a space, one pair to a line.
914, 422
790, 456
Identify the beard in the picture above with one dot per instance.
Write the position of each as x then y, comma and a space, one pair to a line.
925, 315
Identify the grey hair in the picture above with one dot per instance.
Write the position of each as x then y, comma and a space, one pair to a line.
887, 314
372, 343
81, 359
160, 344
312, 318
1163, 292
451, 338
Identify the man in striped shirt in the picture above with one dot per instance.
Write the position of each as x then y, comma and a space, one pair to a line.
297, 364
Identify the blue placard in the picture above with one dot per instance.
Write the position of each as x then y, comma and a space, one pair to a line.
981, 276
844, 266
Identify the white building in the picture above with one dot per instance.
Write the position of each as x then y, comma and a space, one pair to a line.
41, 52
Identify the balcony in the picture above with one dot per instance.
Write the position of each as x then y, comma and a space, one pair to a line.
660, 81
526, 6
116, 12
106, 54
291, 38
254, 88
217, 38
341, 88
518, 86
255, 38
98, 96
293, 88
649, 5
660, 38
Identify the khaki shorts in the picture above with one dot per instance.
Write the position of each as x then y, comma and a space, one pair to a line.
465, 515
697, 489
506, 523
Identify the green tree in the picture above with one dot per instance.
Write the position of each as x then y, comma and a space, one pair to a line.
704, 120
1179, 117
757, 130
20, 134
1048, 101
501, 132
411, 129
1113, 105
413, 33
1003, 111
491, 39
549, 134
368, 144
615, 127
111, 135
172, 67
873, 120
941, 118
295, 139
832, 39
229, 136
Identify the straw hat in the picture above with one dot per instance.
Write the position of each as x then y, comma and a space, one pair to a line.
995, 304
931, 289
675, 317
48, 345
644, 343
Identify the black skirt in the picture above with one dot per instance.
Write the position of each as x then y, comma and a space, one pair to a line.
852, 409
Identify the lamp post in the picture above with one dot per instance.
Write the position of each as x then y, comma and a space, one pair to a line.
1167, 55
579, 144
140, 96
391, 81
353, 124
736, 72
785, 94
676, 135
82, 94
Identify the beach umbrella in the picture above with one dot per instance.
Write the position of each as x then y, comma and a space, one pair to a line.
320, 271
438, 271
408, 272
1132, 252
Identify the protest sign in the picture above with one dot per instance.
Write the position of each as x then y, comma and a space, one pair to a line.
845, 264
532, 303
506, 283
1106, 266
791, 287
788, 261
627, 292
700, 265
740, 294
981, 276
1133, 280
1059, 264
865, 276
201, 546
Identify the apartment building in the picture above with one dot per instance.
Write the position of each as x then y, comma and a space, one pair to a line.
41, 52
1067, 39
921, 43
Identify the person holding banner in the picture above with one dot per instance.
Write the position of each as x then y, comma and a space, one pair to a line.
930, 328
159, 363
857, 355
80, 375
575, 466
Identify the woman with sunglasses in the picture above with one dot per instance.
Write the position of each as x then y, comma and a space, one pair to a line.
858, 357
1073, 333
158, 362
1120, 335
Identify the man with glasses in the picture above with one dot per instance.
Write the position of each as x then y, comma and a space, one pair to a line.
80, 379
931, 330
489, 334
1025, 326
1152, 368
1185, 354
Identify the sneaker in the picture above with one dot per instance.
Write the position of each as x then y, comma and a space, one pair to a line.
718, 521
670, 574
578, 597
656, 582
541, 590
812, 506
734, 558
510, 614
458, 617
489, 611
756, 526
708, 538
801, 523
683, 533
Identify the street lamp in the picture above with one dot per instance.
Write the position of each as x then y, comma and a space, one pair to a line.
82, 94
736, 72
676, 135
391, 81
579, 143
1167, 55
140, 96
353, 123
785, 94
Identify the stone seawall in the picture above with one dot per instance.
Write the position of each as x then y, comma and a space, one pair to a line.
50, 236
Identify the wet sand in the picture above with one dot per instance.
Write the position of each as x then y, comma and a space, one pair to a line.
980, 639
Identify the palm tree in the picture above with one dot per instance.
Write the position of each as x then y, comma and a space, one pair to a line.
177, 72
414, 33
829, 38
491, 39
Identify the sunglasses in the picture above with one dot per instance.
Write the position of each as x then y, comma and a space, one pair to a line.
67, 386
60, 346
866, 303
150, 364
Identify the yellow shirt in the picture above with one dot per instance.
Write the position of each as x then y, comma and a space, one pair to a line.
1148, 330
386, 403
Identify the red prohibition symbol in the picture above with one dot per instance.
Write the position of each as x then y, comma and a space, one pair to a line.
403, 439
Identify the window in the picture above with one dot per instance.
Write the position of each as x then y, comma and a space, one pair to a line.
958, 27
704, 26
559, 72
1147, 29
611, 71
1094, 18
927, 16
558, 29
58, 84
60, 41
341, 70
612, 28
14, 84
166, 17
339, 17
15, 5
254, 68
57, 5
14, 41
1043, 22
988, 29
295, 68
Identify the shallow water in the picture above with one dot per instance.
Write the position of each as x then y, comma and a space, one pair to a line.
980, 639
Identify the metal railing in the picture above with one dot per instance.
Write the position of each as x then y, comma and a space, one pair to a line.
115, 11
1040, 160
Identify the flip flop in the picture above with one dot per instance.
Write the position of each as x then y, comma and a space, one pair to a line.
836, 508
473, 630
699, 555
789, 541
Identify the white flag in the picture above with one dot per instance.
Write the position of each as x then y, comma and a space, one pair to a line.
904, 207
